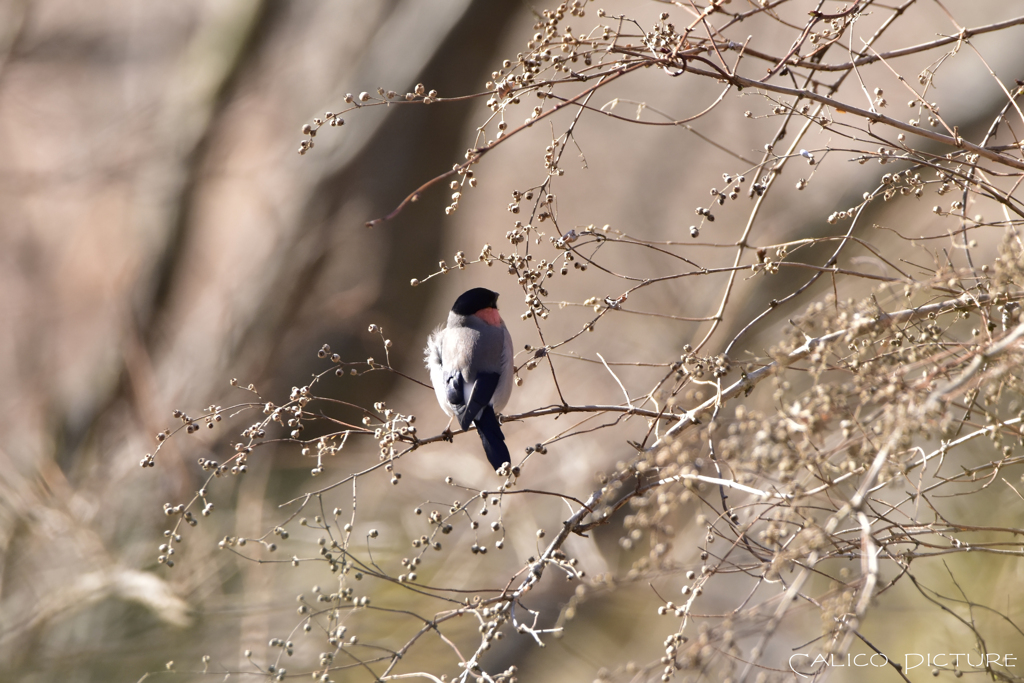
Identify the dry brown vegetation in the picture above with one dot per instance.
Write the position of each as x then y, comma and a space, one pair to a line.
763, 266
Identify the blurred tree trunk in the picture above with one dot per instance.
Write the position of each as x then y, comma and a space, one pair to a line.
193, 313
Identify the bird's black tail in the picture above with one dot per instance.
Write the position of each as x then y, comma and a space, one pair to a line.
492, 438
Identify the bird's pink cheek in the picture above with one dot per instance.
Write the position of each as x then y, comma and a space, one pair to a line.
490, 316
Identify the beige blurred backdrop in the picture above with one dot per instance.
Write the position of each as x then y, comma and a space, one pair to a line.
159, 235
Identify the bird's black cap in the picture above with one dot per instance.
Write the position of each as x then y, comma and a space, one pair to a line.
474, 301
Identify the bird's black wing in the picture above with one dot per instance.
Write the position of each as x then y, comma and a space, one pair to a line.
483, 391
453, 391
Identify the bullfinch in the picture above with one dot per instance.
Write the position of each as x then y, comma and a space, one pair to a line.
470, 363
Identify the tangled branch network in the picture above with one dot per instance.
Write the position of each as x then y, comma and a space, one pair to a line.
799, 416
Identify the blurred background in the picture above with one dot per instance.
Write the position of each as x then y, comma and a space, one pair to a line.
159, 235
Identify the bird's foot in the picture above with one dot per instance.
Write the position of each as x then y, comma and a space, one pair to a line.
448, 435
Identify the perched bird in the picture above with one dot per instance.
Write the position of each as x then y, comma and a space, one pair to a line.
470, 363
